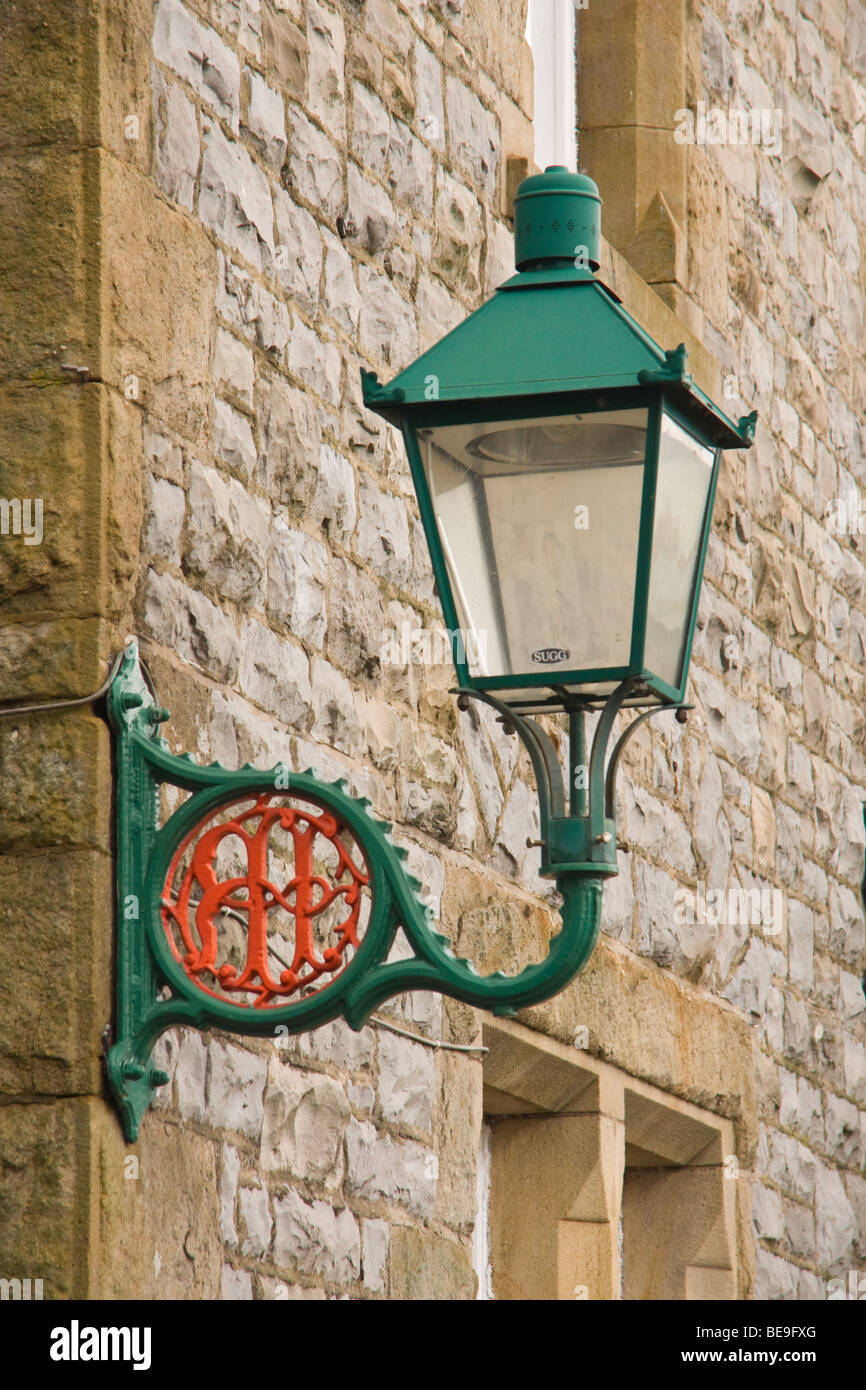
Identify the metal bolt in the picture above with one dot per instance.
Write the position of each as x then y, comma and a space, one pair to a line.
604, 838
534, 844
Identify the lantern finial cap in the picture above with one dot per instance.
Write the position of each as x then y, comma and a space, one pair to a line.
557, 220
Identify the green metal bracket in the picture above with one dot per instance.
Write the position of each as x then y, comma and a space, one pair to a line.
161, 868
582, 842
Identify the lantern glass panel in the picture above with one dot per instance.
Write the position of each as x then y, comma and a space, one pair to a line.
685, 472
538, 521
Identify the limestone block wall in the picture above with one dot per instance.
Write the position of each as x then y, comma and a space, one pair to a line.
332, 177
777, 278
765, 790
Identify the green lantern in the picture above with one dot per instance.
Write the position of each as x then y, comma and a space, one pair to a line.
565, 467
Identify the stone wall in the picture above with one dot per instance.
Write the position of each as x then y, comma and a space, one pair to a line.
305, 189
282, 193
336, 173
777, 280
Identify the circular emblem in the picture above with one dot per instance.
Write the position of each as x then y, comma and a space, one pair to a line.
550, 656
266, 900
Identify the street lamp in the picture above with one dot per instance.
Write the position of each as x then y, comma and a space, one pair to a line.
565, 467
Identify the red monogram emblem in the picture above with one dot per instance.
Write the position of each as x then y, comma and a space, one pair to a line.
226, 875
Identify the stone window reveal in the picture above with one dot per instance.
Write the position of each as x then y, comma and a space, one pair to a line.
600, 1186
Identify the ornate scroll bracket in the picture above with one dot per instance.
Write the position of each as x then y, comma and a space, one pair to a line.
267, 903
198, 898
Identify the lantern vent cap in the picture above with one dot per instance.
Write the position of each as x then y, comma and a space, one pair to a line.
557, 220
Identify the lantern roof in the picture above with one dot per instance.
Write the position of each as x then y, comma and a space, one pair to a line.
552, 328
